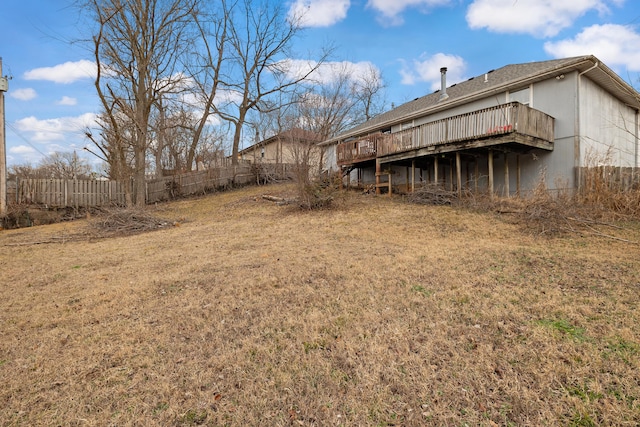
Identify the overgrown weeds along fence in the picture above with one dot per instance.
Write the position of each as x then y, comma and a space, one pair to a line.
60, 193
198, 182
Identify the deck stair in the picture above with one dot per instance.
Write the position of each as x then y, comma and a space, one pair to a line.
384, 184
346, 170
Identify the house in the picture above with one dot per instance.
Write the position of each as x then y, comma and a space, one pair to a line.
287, 147
501, 132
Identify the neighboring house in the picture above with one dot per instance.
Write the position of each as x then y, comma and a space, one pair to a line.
502, 131
283, 147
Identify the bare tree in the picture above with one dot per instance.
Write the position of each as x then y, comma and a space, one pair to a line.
65, 165
24, 171
137, 45
59, 165
347, 99
171, 129
260, 38
369, 94
320, 111
206, 69
173, 145
114, 145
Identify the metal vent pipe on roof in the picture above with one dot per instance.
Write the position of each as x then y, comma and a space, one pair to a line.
443, 84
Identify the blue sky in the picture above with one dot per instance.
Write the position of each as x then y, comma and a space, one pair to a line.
51, 99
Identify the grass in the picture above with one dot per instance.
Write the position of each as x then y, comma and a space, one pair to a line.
565, 328
374, 313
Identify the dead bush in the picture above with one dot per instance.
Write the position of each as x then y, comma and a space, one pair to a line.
432, 194
126, 221
321, 193
24, 215
563, 211
610, 191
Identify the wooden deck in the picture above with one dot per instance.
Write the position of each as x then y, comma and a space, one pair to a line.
508, 123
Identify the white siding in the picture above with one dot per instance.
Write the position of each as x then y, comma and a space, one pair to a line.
330, 161
607, 129
557, 98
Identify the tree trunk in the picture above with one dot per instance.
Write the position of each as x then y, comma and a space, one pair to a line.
140, 178
236, 137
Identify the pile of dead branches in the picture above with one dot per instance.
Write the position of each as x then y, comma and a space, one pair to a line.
125, 221
432, 194
551, 214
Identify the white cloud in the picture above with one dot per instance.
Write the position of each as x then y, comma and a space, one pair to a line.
318, 13
55, 129
428, 70
539, 18
390, 10
616, 45
66, 100
68, 72
328, 72
25, 94
22, 149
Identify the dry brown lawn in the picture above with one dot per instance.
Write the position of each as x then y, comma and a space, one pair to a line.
375, 313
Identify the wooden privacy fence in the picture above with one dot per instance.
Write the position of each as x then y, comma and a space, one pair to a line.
57, 193
61, 193
198, 182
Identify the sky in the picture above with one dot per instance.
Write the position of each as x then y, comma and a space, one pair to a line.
51, 100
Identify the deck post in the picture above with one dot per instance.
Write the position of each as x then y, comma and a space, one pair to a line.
413, 175
451, 175
435, 170
490, 164
476, 176
506, 175
406, 180
518, 175
459, 178
378, 177
467, 181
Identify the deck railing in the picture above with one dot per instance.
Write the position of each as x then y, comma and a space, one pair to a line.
503, 119
359, 150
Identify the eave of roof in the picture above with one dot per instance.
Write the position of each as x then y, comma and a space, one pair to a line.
296, 134
497, 81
